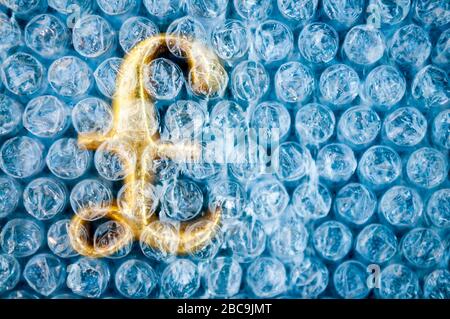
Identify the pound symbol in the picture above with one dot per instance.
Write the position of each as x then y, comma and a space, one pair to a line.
134, 140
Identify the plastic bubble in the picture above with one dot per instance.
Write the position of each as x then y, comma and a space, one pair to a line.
376, 243
46, 116
180, 279
350, 280
22, 74
318, 42
69, 76
22, 157
398, 282
93, 36
266, 277
294, 82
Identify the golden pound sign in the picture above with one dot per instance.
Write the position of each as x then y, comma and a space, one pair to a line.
135, 128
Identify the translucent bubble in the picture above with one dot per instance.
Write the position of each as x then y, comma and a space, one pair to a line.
111, 234
385, 86
318, 42
10, 115
309, 278
392, 11
410, 46
339, 84
44, 198
332, 240
163, 249
229, 39
269, 198
105, 76
207, 9
266, 277
427, 167
438, 208
116, 7
184, 120
345, 12
249, 81
163, 8
355, 203
376, 243
69, 76
379, 166
186, 28
441, 129
310, 201
146, 198
44, 273
9, 32
442, 49
22, 157
358, 127
90, 199
228, 196
180, 279
270, 121
288, 241
253, 10
217, 78
364, 45
9, 272
92, 115
405, 127
22, 7
301, 11
67, 160
163, 79
434, 13
135, 279
223, 277
398, 282
22, 74
273, 41
115, 159
336, 162
47, 35
246, 165
294, 82
92, 36
431, 87
58, 239
10, 192
401, 206
228, 115
291, 161
46, 116
350, 280
88, 277
182, 200
436, 285
422, 247
135, 30
210, 248
314, 124
246, 239
21, 237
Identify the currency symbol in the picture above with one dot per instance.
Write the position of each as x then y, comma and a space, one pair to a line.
134, 139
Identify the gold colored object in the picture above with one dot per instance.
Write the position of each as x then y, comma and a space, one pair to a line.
134, 125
